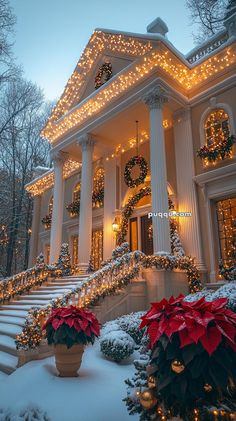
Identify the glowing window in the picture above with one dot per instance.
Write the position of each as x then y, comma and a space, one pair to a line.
216, 127
76, 192
50, 206
98, 188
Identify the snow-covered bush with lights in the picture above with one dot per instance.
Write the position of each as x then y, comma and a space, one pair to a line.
117, 345
119, 251
40, 262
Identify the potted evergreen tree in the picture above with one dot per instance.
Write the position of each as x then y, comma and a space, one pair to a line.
69, 329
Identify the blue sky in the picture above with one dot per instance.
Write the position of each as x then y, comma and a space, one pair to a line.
51, 34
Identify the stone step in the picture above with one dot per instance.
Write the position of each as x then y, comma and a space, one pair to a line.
48, 291
13, 313
19, 306
12, 320
31, 303
8, 362
10, 330
65, 284
42, 297
7, 344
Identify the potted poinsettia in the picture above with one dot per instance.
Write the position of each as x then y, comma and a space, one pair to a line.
69, 329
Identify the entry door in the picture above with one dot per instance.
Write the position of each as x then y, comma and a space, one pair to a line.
146, 235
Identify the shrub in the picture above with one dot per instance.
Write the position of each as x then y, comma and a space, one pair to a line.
130, 324
117, 345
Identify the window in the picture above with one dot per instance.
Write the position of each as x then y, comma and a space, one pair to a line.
226, 220
97, 248
216, 127
76, 192
98, 188
50, 206
75, 241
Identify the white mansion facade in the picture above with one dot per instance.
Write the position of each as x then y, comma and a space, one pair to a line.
181, 103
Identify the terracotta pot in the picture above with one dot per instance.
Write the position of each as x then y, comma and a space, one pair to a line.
68, 360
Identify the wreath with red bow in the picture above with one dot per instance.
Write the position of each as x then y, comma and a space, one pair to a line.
143, 166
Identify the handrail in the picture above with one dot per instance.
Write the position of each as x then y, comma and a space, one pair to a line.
106, 281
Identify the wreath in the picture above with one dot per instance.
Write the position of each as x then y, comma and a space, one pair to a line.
103, 75
135, 160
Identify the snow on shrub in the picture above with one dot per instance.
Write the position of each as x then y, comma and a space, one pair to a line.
130, 324
110, 327
226, 291
27, 414
117, 345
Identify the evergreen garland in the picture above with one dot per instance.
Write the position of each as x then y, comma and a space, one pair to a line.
220, 151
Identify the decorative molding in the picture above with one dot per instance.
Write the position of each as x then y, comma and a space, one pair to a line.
183, 114
58, 157
86, 142
156, 98
213, 175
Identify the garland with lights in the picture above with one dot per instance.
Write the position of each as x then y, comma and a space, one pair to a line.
74, 207
47, 221
192, 367
106, 281
103, 75
220, 151
143, 166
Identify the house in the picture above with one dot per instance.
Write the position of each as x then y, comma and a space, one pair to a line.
139, 116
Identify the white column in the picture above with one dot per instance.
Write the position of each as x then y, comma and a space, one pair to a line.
85, 216
186, 188
58, 205
35, 231
155, 100
110, 205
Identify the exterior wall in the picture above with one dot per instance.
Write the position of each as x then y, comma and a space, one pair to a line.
217, 187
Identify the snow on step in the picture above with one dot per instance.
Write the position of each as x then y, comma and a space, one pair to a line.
7, 344
39, 297
8, 362
31, 303
20, 306
9, 329
14, 313
12, 320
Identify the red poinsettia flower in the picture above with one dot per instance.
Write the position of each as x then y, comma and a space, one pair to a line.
80, 320
199, 321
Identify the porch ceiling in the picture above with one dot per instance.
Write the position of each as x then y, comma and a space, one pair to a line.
121, 129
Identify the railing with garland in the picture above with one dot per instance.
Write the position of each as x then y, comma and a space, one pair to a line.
107, 281
23, 282
208, 46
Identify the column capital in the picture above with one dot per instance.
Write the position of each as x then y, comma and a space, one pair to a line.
86, 142
183, 114
58, 157
156, 97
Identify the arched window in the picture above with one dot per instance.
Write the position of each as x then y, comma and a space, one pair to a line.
98, 188
76, 192
216, 127
50, 206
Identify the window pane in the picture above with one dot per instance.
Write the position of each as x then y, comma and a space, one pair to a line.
226, 218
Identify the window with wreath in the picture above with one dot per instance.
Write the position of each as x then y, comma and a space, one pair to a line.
98, 188
218, 140
47, 219
74, 207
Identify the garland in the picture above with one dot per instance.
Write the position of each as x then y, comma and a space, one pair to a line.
98, 197
103, 75
220, 151
74, 207
135, 160
106, 281
47, 221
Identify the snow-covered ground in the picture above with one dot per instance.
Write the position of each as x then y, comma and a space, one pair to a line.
96, 395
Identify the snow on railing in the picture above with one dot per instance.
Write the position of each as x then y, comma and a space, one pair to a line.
208, 46
106, 281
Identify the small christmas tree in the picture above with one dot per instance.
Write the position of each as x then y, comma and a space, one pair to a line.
176, 245
90, 265
64, 260
40, 260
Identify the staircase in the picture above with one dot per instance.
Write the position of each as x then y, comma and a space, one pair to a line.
13, 315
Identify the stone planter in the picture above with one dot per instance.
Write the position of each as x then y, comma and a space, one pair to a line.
68, 360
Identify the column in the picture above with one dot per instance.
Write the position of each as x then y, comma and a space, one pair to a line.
110, 206
186, 188
155, 100
58, 205
85, 216
35, 231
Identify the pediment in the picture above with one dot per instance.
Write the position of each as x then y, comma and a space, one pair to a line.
119, 50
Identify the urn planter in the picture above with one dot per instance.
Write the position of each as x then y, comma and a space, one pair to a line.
68, 360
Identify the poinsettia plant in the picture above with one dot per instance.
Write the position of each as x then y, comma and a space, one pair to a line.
71, 325
193, 356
